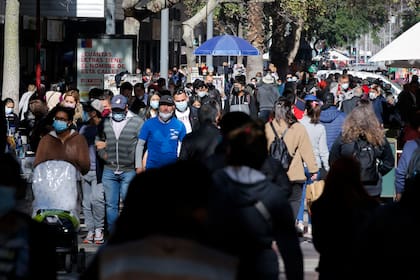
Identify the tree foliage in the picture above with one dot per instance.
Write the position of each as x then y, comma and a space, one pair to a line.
411, 15
345, 21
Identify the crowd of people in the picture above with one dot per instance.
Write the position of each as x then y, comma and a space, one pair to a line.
190, 165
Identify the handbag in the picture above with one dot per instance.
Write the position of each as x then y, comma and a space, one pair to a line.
313, 191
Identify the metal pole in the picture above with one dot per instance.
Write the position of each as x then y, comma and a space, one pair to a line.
209, 58
357, 52
38, 46
366, 46
164, 43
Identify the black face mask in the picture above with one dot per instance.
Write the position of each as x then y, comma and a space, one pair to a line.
236, 90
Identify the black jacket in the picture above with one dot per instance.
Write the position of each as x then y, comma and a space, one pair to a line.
241, 229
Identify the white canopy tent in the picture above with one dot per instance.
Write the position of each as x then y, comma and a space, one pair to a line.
335, 55
331, 55
404, 51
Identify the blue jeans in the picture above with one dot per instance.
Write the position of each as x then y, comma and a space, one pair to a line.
302, 202
264, 115
115, 188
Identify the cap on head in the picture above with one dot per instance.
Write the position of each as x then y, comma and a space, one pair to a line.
310, 97
118, 102
166, 100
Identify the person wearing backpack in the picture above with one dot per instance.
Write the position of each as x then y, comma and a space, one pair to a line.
249, 215
409, 162
364, 139
299, 146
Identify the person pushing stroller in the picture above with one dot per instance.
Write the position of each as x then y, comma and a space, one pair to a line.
62, 156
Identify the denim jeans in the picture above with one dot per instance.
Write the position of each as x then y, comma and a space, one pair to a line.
115, 188
93, 202
302, 202
264, 115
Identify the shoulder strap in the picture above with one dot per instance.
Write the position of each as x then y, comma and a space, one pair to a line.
284, 133
275, 132
263, 211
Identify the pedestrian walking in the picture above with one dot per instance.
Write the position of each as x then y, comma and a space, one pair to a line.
119, 153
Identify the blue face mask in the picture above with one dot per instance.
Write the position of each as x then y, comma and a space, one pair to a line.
154, 104
118, 116
201, 94
60, 126
85, 116
7, 199
181, 105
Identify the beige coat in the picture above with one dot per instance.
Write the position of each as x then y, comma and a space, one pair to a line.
296, 139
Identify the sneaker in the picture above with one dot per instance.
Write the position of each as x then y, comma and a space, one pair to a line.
89, 238
300, 227
99, 235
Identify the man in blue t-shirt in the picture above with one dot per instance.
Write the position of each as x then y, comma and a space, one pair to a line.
162, 135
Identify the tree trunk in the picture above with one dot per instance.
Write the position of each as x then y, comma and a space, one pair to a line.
128, 4
188, 30
255, 36
132, 27
278, 48
296, 42
158, 5
11, 52
110, 17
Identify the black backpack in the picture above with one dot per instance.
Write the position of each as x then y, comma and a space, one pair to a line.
278, 149
414, 163
365, 153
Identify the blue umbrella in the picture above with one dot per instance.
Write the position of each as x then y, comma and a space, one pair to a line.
226, 45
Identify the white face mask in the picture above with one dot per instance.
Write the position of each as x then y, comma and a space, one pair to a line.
8, 110
201, 94
69, 105
165, 116
345, 86
372, 95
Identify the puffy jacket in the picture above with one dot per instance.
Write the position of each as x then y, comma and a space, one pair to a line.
333, 120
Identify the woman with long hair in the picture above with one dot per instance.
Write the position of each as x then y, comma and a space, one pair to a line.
362, 132
299, 146
318, 137
152, 105
71, 99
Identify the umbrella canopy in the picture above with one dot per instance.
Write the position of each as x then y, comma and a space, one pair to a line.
404, 51
226, 45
